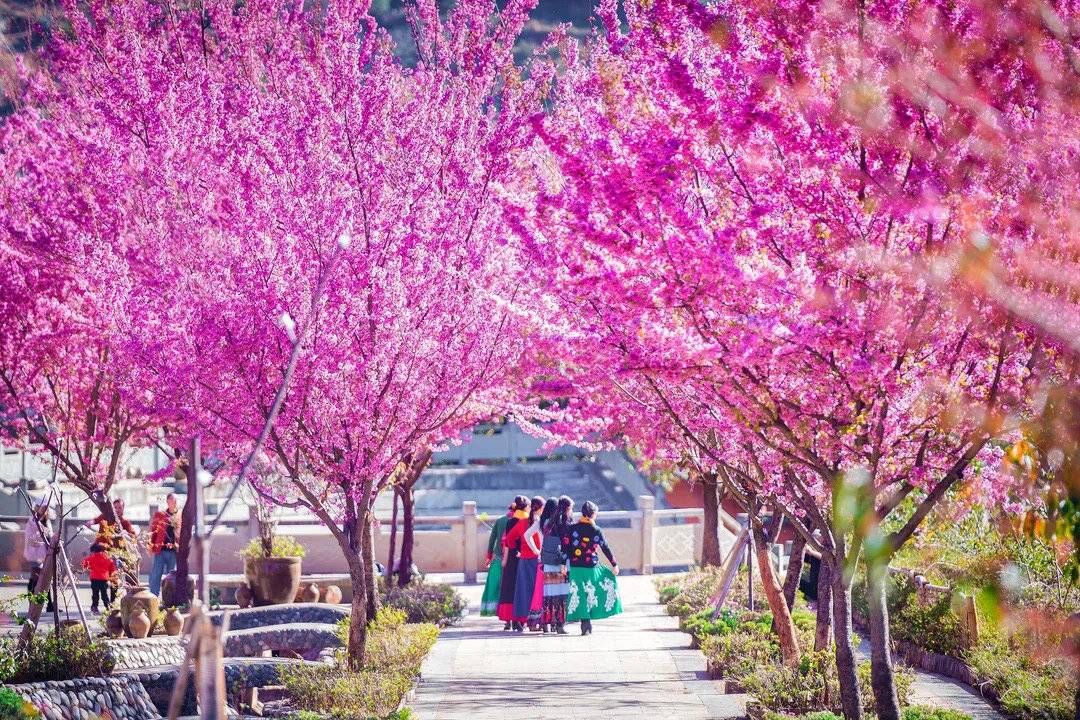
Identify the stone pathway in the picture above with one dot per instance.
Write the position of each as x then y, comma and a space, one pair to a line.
634, 665
941, 692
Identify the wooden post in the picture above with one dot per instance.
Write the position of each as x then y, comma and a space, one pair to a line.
201, 541
647, 505
468, 512
210, 672
731, 568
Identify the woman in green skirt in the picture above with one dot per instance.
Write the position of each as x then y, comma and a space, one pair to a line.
489, 603
594, 591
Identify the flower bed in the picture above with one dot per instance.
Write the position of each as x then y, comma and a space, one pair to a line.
741, 650
395, 651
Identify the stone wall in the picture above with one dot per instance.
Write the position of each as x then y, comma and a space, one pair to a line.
249, 618
240, 673
305, 639
85, 698
131, 654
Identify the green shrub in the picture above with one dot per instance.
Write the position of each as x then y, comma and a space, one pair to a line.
395, 651
813, 686
14, 706
421, 602
808, 687
1028, 688
934, 627
821, 715
921, 712
735, 656
284, 546
703, 624
65, 655
669, 593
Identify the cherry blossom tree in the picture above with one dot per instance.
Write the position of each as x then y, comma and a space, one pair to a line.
67, 389
739, 206
277, 172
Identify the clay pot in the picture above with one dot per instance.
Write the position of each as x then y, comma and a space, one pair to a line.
136, 599
139, 624
174, 621
310, 594
114, 625
274, 580
168, 590
244, 596
332, 595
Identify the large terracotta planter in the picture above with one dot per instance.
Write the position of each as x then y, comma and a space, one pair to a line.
168, 589
274, 580
139, 598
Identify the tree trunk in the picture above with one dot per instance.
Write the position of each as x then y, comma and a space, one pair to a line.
823, 627
710, 549
782, 624
881, 666
393, 538
794, 570
408, 526
358, 616
850, 695
367, 549
183, 551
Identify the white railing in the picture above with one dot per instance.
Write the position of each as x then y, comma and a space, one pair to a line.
642, 540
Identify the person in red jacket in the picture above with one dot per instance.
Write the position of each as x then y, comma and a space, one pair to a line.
101, 568
525, 538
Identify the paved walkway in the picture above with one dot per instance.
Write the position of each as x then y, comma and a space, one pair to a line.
942, 692
634, 665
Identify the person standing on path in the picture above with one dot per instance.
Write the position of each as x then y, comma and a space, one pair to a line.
555, 521
164, 533
101, 568
37, 534
594, 591
489, 602
529, 587
118, 539
511, 543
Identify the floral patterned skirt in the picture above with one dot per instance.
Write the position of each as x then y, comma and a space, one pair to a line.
594, 594
556, 589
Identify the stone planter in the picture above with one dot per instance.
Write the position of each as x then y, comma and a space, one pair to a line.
274, 580
136, 599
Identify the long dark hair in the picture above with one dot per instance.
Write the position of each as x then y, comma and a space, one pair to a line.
534, 507
548, 515
563, 514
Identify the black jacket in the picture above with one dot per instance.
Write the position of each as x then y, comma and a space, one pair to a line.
583, 542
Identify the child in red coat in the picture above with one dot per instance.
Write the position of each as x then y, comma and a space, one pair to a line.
101, 567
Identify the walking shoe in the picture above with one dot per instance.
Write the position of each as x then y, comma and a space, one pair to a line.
94, 611
560, 629
519, 627
544, 628
507, 626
